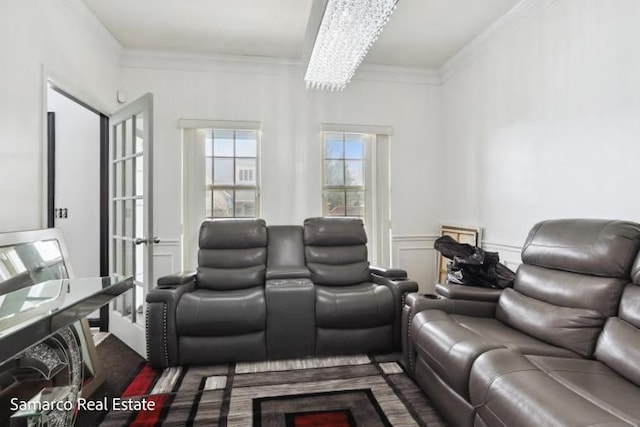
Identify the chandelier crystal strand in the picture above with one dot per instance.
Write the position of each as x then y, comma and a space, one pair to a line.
347, 31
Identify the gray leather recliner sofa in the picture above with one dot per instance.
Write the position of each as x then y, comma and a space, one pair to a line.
267, 292
562, 348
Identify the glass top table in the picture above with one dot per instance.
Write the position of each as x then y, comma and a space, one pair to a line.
31, 314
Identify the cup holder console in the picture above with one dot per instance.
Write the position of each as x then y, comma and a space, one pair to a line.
431, 296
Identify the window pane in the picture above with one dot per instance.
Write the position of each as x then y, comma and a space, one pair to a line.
128, 137
333, 146
118, 249
128, 177
354, 172
354, 146
223, 171
139, 133
139, 162
139, 218
355, 203
118, 217
209, 171
128, 218
223, 143
117, 180
117, 151
245, 203
139, 268
246, 145
129, 248
246, 171
334, 203
223, 203
334, 172
208, 204
208, 144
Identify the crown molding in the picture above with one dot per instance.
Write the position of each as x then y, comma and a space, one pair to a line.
184, 61
513, 20
191, 61
391, 73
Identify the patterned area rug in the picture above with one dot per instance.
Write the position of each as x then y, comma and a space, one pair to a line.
331, 391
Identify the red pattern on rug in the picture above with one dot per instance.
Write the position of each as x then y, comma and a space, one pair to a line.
142, 382
323, 419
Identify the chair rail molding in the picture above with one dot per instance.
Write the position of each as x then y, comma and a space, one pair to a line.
415, 253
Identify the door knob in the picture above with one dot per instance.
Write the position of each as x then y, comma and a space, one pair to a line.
156, 239
140, 241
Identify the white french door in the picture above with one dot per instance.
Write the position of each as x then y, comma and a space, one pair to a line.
131, 225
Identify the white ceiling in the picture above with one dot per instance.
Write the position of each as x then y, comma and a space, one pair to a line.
421, 33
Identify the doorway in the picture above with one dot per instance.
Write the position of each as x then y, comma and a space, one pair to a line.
77, 187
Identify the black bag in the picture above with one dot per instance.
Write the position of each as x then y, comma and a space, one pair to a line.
473, 266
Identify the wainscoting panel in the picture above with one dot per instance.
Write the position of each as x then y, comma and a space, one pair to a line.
415, 254
166, 258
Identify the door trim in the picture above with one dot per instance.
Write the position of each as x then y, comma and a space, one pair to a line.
103, 322
104, 212
51, 167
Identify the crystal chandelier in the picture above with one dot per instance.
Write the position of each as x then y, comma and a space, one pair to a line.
347, 31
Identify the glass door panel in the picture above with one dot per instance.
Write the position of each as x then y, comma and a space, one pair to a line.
132, 221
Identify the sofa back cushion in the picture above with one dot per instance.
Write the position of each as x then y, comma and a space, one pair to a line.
286, 246
232, 255
335, 251
573, 273
587, 246
575, 329
619, 343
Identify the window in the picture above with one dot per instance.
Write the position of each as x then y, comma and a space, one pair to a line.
356, 182
231, 164
344, 175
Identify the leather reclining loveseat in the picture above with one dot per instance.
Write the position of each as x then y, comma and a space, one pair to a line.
562, 348
276, 292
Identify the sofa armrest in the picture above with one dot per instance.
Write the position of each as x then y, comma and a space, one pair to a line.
471, 293
394, 273
162, 331
176, 279
288, 272
400, 289
415, 303
398, 286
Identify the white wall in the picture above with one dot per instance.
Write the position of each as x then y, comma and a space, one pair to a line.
274, 94
544, 122
65, 39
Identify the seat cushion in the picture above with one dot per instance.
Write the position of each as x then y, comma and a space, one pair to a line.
216, 313
596, 382
450, 343
507, 389
495, 330
364, 305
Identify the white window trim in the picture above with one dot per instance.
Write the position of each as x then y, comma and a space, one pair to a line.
218, 124
378, 210
193, 180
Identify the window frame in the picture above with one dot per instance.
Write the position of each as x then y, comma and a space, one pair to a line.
377, 182
211, 188
366, 172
